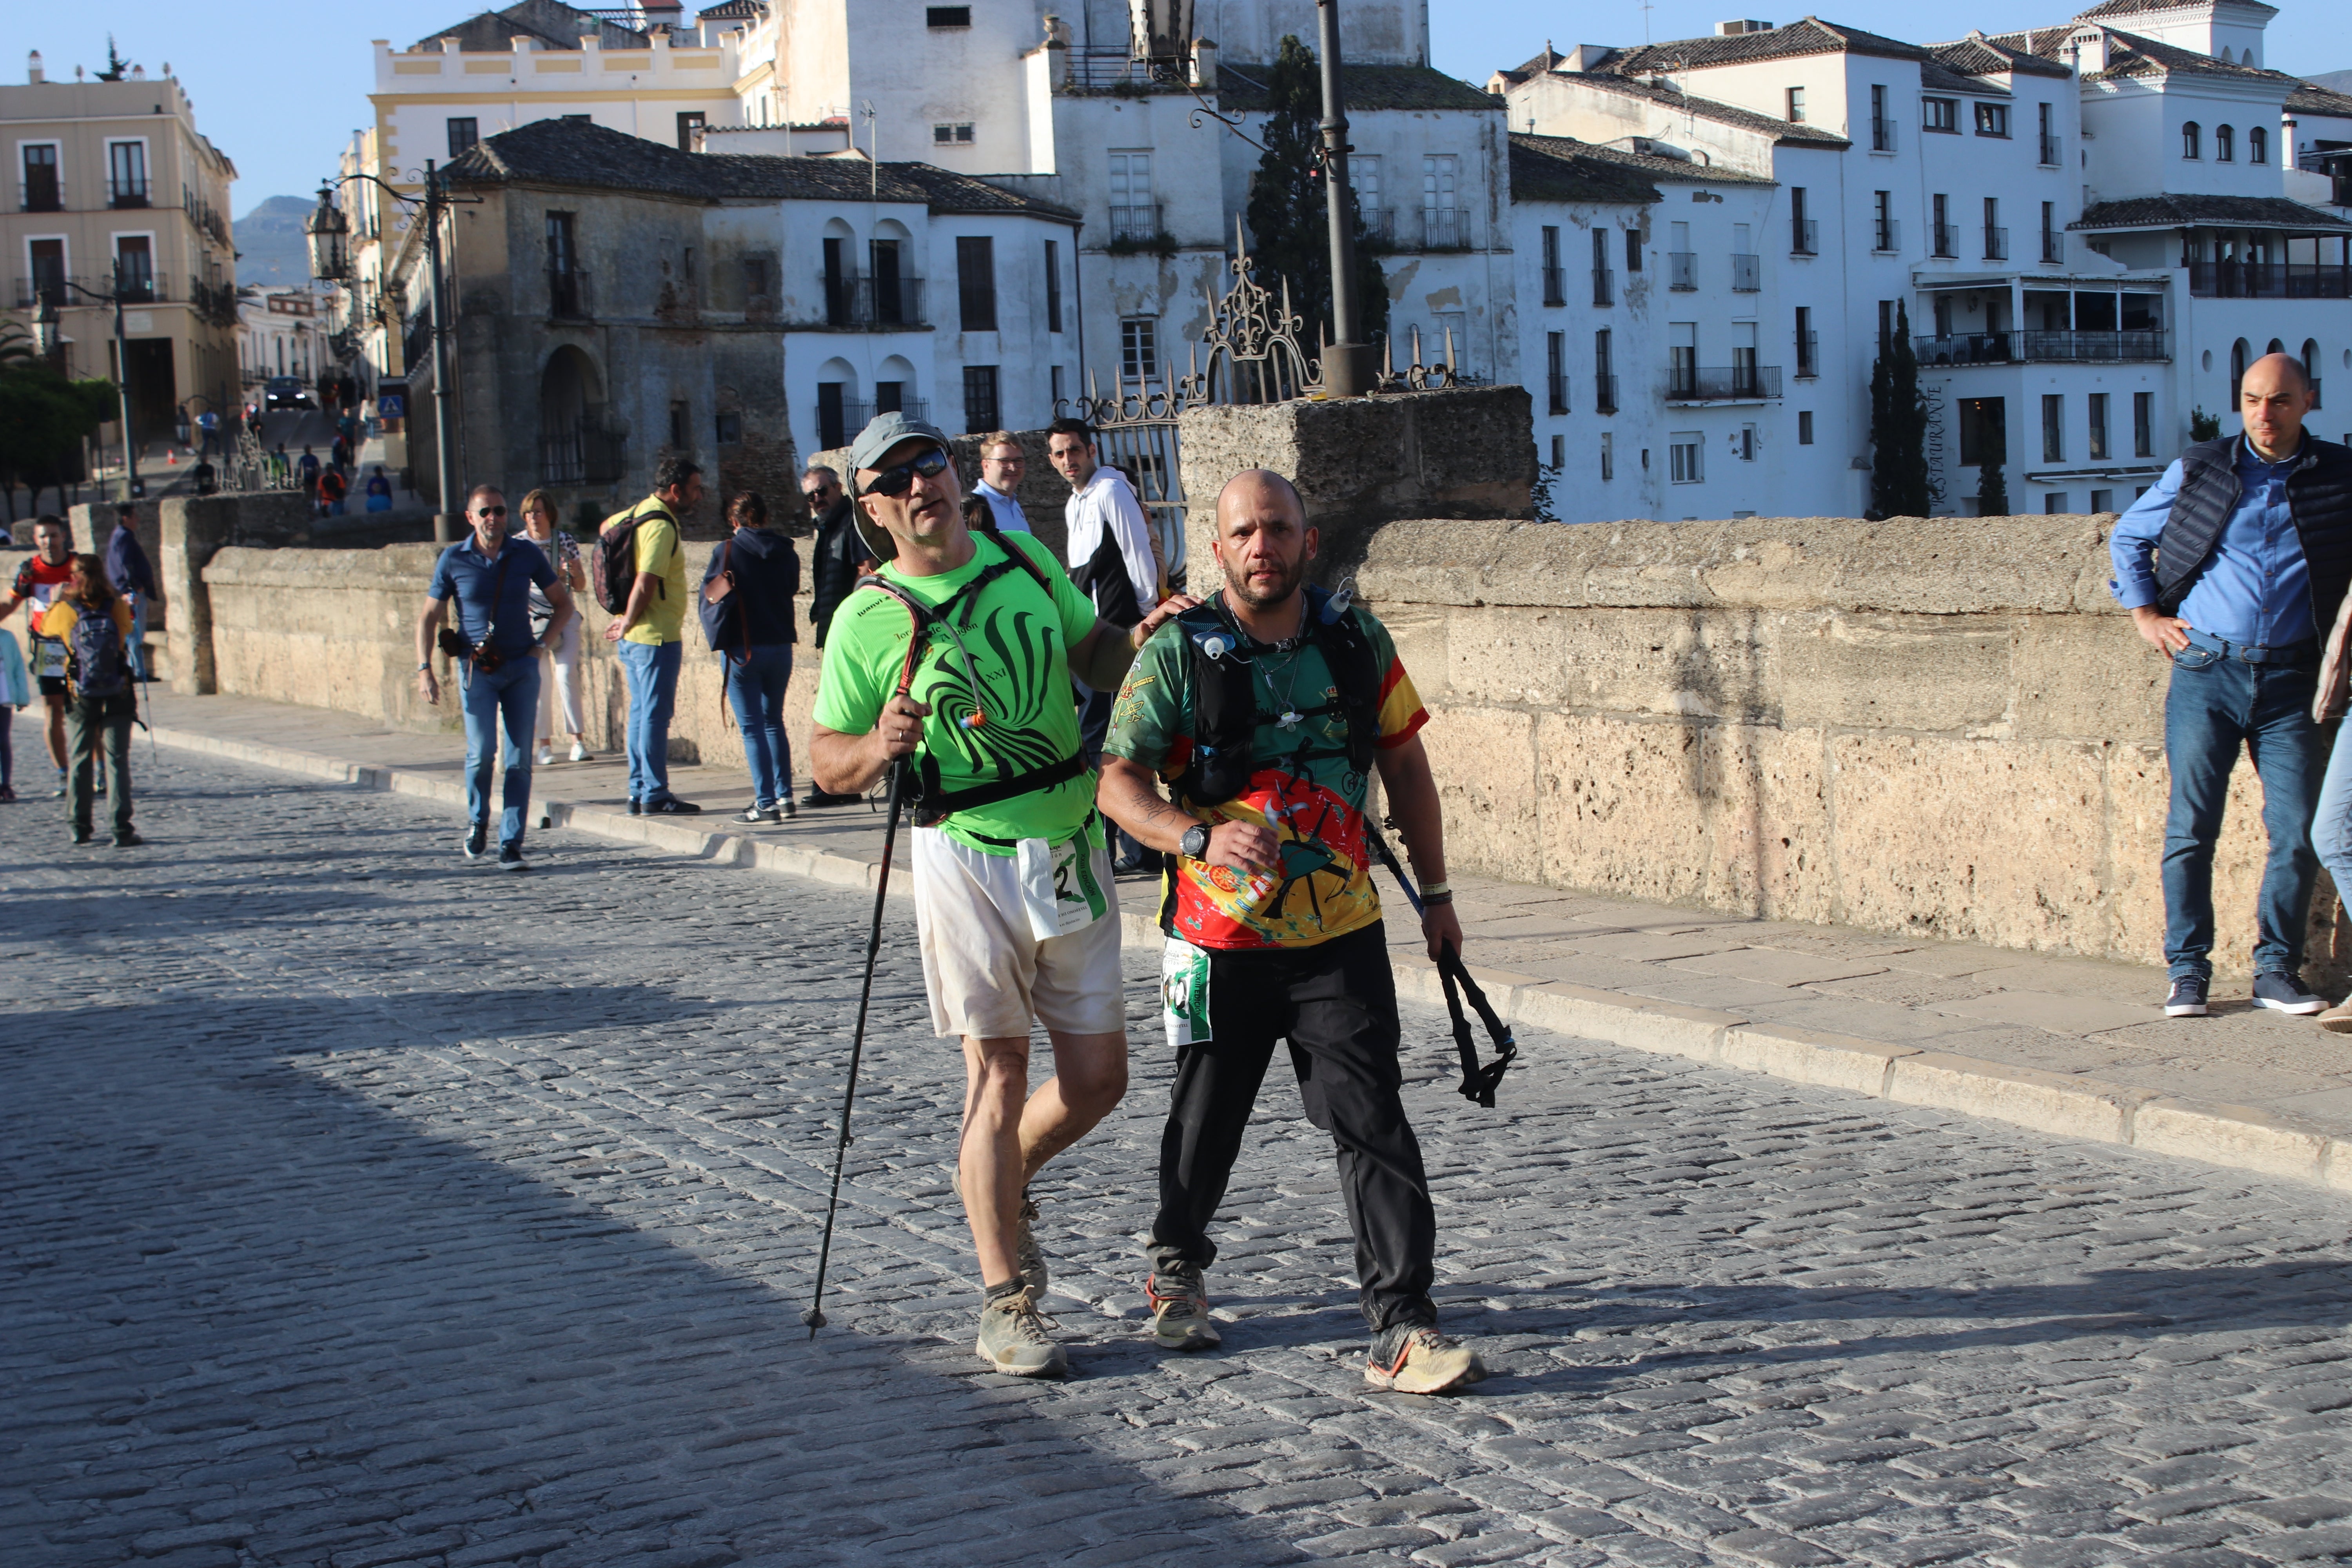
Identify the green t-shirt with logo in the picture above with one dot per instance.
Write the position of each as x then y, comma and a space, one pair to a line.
1017, 637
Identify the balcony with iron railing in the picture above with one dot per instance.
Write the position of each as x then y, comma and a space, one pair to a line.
1888, 235
1805, 237
1682, 271
2022, 347
2053, 247
2270, 280
41, 195
1555, 384
1135, 225
1722, 383
872, 304
1944, 240
856, 417
1882, 134
1604, 392
1996, 243
1555, 286
136, 288
571, 296
2050, 153
1446, 228
1746, 275
1380, 227
1809, 361
1604, 285
587, 453
127, 193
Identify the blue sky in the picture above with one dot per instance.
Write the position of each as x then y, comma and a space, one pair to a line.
280, 84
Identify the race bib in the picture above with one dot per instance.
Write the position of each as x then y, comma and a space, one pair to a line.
1184, 992
1060, 890
48, 659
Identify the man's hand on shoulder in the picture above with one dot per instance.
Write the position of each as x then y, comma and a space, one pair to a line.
1167, 610
2167, 633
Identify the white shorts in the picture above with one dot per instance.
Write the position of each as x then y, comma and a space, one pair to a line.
986, 973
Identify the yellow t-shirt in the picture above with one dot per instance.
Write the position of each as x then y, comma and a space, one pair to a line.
658, 553
58, 621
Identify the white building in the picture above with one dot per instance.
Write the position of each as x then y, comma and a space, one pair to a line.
2087, 228
280, 331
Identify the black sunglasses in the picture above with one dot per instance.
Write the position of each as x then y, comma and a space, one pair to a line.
930, 463
489, 511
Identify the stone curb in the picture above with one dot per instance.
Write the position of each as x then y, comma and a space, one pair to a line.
2065, 1105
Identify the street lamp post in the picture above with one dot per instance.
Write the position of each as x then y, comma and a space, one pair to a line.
327, 230
45, 341
1347, 359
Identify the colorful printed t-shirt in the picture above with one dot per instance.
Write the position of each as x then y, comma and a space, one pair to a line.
43, 585
1313, 802
1018, 637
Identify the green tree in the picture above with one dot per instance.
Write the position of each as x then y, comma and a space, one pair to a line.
2204, 427
117, 68
1899, 481
43, 419
1290, 236
1992, 484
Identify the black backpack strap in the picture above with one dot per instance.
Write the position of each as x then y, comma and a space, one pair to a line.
1224, 707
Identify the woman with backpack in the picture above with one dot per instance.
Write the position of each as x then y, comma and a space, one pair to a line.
94, 622
747, 612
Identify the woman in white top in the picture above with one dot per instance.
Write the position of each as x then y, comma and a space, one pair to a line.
563, 553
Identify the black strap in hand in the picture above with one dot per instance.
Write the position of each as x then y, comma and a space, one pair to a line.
1478, 1083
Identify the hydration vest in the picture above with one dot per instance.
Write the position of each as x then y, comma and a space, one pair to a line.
1227, 692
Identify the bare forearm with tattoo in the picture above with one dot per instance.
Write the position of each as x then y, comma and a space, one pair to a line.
1129, 796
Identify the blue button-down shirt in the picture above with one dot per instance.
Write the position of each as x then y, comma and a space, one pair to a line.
1007, 511
465, 573
2255, 588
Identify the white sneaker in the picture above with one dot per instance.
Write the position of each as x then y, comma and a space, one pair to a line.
579, 752
546, 755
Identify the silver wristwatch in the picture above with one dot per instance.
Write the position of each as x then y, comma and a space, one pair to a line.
1194, 845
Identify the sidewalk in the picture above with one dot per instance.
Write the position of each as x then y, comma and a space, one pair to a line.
2071, 1046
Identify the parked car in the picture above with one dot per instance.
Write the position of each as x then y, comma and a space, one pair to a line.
285, 391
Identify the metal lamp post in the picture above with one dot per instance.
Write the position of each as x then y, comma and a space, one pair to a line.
45, 342
328, 232
1347, 367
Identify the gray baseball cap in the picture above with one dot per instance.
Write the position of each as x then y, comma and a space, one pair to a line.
885, 431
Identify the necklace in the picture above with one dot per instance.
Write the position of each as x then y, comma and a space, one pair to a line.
1286, 699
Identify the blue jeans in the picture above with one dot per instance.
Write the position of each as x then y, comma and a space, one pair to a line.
2331, 824
652, 673
512, 692
755, 689
138, 634
2216, 705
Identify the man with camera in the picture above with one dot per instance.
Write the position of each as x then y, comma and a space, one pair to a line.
491, 576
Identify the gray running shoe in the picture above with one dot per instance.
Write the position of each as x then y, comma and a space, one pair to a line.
1414, 1357
1180, 1308
1012, 1338
1025, 1254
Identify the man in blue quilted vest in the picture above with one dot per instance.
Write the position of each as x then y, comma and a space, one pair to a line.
2232, 566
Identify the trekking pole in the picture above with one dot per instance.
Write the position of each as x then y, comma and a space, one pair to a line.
814, 1316
1478, 1083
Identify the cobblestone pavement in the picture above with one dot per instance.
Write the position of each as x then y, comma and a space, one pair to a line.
364, 1207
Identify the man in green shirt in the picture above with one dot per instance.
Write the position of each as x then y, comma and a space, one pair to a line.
957, 658
649, 637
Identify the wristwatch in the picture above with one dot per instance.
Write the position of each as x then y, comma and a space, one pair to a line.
1194, 845
426, 666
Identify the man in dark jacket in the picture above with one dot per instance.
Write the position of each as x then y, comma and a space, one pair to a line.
2233, 566
134, 577
839, 558
746, 601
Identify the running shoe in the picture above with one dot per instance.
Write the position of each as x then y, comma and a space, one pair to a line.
128, 840
1414, 1357
546, 756
510, 857
670, 805
754, 814
580, 752
2282, 991
1180, 1308
476, 838
2186, 997
1026, 1255
1013, 1337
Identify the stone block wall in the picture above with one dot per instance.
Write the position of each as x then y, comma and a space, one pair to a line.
1931, 728
337, 628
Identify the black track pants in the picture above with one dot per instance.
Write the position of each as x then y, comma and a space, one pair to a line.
1336, 1005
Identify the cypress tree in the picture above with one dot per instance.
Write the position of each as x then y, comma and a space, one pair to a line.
1289, 234
1898, 428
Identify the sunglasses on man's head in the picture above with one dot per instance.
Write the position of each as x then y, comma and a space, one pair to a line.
489, 511
930, 463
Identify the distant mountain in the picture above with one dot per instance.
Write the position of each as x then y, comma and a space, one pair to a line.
2336, 81
270, 244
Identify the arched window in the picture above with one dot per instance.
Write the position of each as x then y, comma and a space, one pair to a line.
2258, 145
2240, 354
2276, 347
2311, 359
2225, 145
2192, 141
